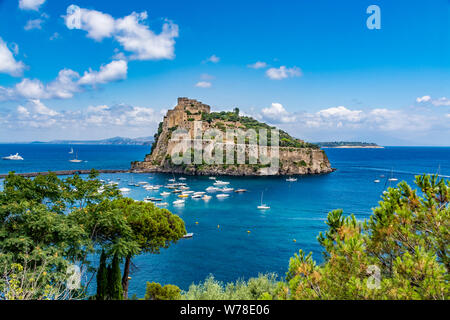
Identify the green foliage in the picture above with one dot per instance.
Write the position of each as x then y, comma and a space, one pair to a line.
155, 291
262, 287
406, 239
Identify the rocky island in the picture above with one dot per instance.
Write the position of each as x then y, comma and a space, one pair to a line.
294, 156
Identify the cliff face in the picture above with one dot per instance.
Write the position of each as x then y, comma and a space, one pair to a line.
296, 157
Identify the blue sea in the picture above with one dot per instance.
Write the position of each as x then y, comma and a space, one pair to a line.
222, 245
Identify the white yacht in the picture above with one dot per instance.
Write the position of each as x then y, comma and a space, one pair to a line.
178, 202
165, 194
222, 195
290, 179
13, 157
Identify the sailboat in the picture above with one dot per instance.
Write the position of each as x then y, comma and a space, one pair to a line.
71, 151
263, 206
392, 176
76, 159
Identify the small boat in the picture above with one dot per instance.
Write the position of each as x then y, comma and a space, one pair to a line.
206, 197
199, 193
171, 180
188, 235
392, 176
156, 199
221, 183
76, 160
165, 194
182, 178
222, 195
212, 178
183, 196
178, 202
187, 192
176, 191
263, 206
240, 190
290, 179
227, 189
124, 190
196, 196
212, 189
162, 204
376, 181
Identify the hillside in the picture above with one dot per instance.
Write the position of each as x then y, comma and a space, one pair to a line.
295, 156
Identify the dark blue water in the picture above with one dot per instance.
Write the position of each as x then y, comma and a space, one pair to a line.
298, 210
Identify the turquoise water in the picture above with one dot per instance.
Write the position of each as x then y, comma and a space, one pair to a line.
298, 209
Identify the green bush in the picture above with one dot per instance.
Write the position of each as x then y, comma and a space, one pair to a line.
263, 286
155, 291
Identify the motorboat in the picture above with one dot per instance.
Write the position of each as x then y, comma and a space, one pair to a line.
222, 195
178, 202
13, 157
290, 179
221, 183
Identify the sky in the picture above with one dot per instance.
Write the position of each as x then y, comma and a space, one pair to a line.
84, 69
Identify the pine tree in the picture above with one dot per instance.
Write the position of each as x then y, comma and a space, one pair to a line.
102, 278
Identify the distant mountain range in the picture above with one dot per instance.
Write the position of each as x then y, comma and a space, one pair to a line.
143, 141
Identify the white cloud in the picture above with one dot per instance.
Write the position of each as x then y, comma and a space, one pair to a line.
443, 101
341, 113
66, 84
35, 114
30, 4
34, 24
116, 70
213, 59
130, 31
258, 65
276, 113
423, 99
8, 63
203, 84
283, 73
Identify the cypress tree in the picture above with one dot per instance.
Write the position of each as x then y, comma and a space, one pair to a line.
102, 278
115, 280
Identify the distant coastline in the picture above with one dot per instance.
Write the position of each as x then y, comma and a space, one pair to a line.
349, 145
143, 141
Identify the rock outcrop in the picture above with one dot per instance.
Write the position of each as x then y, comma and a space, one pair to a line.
291, 156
